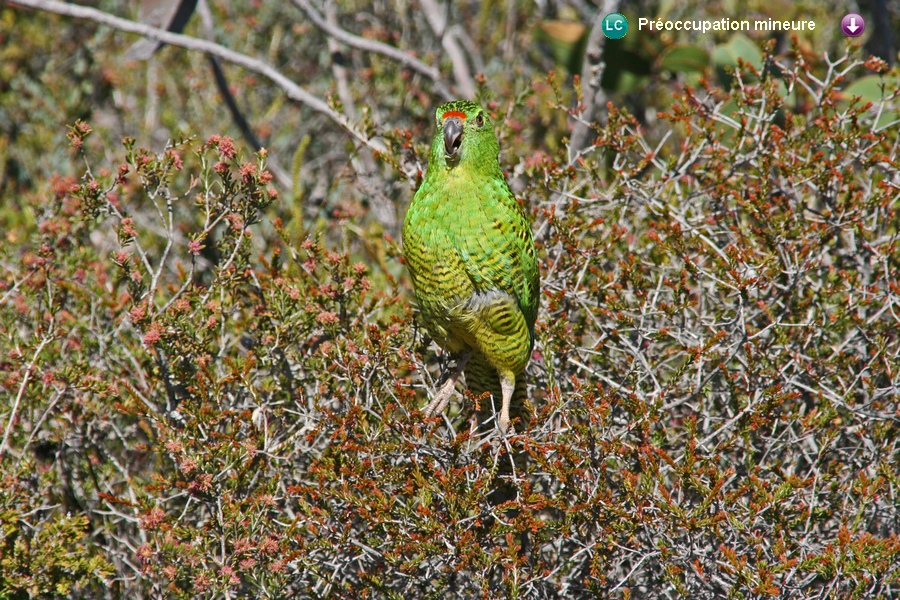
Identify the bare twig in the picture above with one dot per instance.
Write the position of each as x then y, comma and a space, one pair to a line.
591, 74
293, 91
283, 177
337, 65
29, 369
342, 79
171, 15
375, 46
438, 22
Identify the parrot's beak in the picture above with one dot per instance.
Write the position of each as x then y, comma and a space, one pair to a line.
453, 131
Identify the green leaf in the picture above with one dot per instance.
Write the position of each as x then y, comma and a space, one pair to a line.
740, 46
871, 88
684, 59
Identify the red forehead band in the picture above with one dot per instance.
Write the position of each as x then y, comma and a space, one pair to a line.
453, 113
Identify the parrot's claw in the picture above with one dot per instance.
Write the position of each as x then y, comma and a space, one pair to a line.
439, 404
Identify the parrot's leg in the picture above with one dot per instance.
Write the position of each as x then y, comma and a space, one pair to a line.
507, 386
445, 392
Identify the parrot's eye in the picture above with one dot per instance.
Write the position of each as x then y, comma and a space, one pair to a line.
479, 120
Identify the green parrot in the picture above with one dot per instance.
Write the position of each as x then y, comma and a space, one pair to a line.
470, 253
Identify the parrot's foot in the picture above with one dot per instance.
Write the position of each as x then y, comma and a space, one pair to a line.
442, 398
439, 404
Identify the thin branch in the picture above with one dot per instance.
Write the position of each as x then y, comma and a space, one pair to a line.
293, 91
591, 75
284, 179
32, 364
375, 46
337, 64
454, 50
169, 15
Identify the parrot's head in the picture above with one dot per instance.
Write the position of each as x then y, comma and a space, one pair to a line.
464, 137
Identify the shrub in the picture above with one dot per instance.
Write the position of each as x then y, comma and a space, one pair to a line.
205, 401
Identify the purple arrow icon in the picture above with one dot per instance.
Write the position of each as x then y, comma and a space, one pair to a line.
853, 25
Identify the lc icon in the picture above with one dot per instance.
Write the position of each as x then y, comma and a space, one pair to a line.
615, 26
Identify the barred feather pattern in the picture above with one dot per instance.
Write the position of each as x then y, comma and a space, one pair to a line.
471, 255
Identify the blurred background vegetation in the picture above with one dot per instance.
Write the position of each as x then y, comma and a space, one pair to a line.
58, 69
210, 368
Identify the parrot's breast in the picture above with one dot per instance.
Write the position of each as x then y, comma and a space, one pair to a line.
470, 254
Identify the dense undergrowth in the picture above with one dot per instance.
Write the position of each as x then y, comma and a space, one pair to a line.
208, 398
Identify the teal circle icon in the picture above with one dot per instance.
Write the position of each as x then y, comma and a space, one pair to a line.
615, 26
